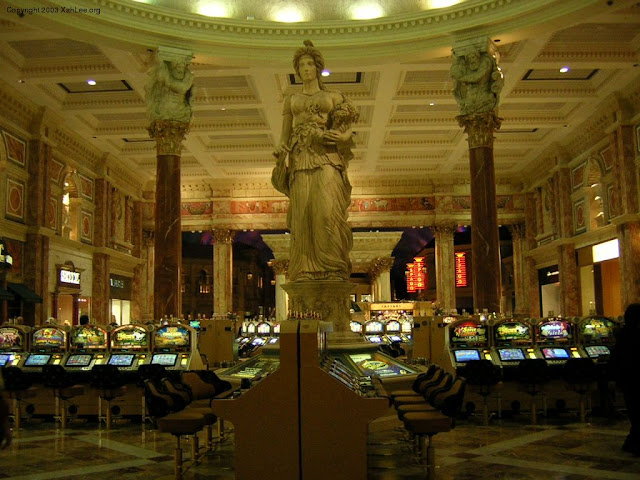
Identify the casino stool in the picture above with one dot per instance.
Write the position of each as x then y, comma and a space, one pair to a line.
483, 376
64, 389
110, 384
179, 424
422, 378
440, 380
148, 371
194, 378
533, 375
423, 426
580, 374
18, 385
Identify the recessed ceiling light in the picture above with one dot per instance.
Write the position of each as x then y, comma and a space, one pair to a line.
91, 82
223, 109
432, 103
325, 73
366, 10
564, 69
20, 81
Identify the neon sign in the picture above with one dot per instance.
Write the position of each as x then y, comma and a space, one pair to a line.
461, 269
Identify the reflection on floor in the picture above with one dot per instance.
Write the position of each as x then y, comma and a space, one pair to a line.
507, 449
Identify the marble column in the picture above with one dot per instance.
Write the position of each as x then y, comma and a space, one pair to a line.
445, 266
485, 240
569, 292
223, 271
625, 178
629, 243
518, 244
380, 273
100, 297
280, 269
168, 235
103, 223
531, 304
137, 292
146, 277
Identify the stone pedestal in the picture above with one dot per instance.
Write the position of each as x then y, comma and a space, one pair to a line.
485, 241
329, 298
168, 235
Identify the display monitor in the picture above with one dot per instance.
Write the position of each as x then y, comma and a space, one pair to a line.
78, 360
37, 360
195, 324
165, 359
395, 338
375, 339
258, 341
555, 353
510, 354
50, 338
11, 339
463, 356
89, 337
172, 337
595, 351
121, 359
5, 358
273, 340
377, 364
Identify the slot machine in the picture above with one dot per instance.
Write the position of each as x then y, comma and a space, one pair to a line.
467, 340
175, 348
130, 346
555, 340
48, 347
14, 345
406, 329
355, 326
88, 346
596, 337
276, 334
373, 331
512, 342
392, 331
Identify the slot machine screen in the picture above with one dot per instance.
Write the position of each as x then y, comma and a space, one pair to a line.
395, 338
375, 364
88, 337
195, 324
555, 330
121, 359
356, 327
513, 331
37, 360
595, 351
81, 360
375, 339
172, 337
165, 359
273, 340
463, 356
10, 339
555, 353
130, 337
468, 333
49, 337
510, 354
258, 341
5, 358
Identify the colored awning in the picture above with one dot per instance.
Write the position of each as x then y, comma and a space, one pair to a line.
25, 293
4, 295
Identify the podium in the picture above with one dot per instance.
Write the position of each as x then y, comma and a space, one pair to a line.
300, 422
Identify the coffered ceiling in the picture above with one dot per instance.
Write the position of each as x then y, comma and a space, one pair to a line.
394, 67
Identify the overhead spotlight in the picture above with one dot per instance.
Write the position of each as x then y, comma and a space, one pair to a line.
432, 103
325, 73
564, 69
91, 82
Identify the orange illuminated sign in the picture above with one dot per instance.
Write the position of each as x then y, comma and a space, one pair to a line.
411, 278
461, 269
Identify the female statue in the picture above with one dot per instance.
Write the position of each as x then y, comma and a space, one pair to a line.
311, 169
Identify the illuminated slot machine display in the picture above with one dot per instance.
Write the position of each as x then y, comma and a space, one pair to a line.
467, 340
264, 331
276, 334
48, 347
555, 340
130, 347
356, 327
13, 345
393, 333
88, 346
596, 336
512, 342
406, 329
373, 363
175, 348
374, 331
254, 368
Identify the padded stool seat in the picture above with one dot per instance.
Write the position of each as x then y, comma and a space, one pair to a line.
179, 424
424, 423
18, 387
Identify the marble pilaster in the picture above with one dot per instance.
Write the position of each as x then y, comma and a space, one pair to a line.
624, 171
101, 293
518, 243
280, 269
568, 268
168, 234
223, 271
563, 203
146, 277
485, 241
445, 266
102, 217
629, 244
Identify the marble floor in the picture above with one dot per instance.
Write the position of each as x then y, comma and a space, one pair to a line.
558, 449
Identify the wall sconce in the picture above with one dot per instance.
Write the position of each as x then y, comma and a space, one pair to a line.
249, 276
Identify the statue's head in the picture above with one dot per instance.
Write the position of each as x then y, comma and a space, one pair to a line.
178, 69
310, 51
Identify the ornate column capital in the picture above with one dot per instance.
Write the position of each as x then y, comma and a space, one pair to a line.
223, 236
479, 128
444, 228
380, 265
168, 135
280, 267
517, 230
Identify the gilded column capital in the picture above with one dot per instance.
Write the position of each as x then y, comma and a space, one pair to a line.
280, 267
168, 135
223, 236
479, 128
380, 265
444, 228
517, 230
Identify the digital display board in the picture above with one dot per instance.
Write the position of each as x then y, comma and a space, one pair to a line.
510, 354
555, 353
166, 359
376, 364
463, 356
79, 360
